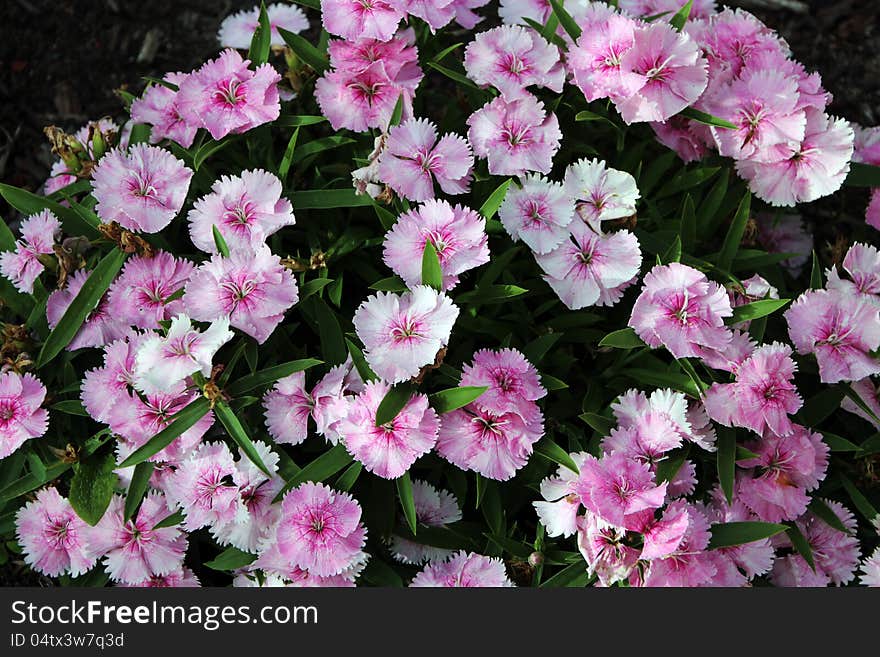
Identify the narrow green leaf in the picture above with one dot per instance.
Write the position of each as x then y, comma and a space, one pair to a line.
231, 559
726, 460
397, 114
622, 339
673, 253
688, 229
681, 16
305, 51
219, 241
84, 303
756, 309
71, 407
262, 39
140, 134
171, 520
737, 533
140, 484
568, 23
450, 399
386, 218
858, 401
687, 179
839, 443
661, 379
735, 233
669, 466
332, 340
491, 294
360, 363
820, 406
348, 478
858, 499
553, 452
706, 119
323, 467
440, 56
823, 511
28, 204
405, 493
297, 120
460, 78
270, 375
600, 424
92, 487
325, 199
709, 208
575, 575
211, 147
432, 274
393, 402
239, 434
390, 284
801, 544
181, 421
319, 146
313, 287
287, 158
816, 278
496, 198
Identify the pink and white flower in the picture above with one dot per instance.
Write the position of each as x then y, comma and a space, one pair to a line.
463, 569
158, 107
434, 508
600, 192
22, 266
353, 19
142, 294
22, 416
237, 30
100, 327
538, 212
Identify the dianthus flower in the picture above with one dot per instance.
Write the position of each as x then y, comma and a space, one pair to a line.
538, 212
689, 564
512, 382
226, 96
101, 326
862, 263
183, 577
751, 559
320, 529
246, 209
465, 14
251, 287
237, 30
664, 408
841, 330
606, 549
390, 449
515, 136
144, 293
158, 107
134, 549
53, 538
413, 159
463, 569
870, 397
785, 470
458, 234
558, 511
511, 58
763, 395
162, 362
684, 136
38, 235
682, 310
434, 508
404, 333
354, 19
592, 268
142, 190
21, 414
102, 387
600, 192
595, 60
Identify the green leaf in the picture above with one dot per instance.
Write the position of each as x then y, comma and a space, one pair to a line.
393, 402
305, 50
231, 559
313, 287
270, 375
349, 477
397, 114
737, 533
688, 228
553, 452
707, 119
460, 78
140, 134
319, 146
92, 487
858, 499
239, 434
332, 340
297, 120
71, 407
551, 383
816, 279
711, 204
681, 16
568, 23
575, 575
662, 379
863, 175
360, 363
140, 484
491, 294
820, 406
219, 241
262, 39
823, 511
622, 339
209, 148
496, 198
181, 421
839, 443
432, 274
28, 204
673, 253
450, 399
600, 424
858, 401
405, 493
325, 199
734, 235
85, 302
685, 180
586, 115
287, 158
801, 544
171, 520
386, 218
440, 56
726, 460
756, 309
390, 284
323, 467
669, 466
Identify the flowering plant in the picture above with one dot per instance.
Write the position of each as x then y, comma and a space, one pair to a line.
449, 293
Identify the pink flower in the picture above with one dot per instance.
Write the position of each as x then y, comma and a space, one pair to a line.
246, 209
786, 469
320, 529
464, 569
252, 288
868, 393
673, 69
840, 330
513, 11
600, 192
403, 333
158, 107
753, 558
515, 136
21, 414
615, 487
413, 159
495, 444
680, 309
38, 235
162, 362
225, 96
558, 511
100, 327
682, 135
180, 578
140, 294
436, 13
511, 58
133, 549
872, 214
434, 508
354, 19
862, 263
458, 234
237, 30
654, 417
102, 387
689, 564
512, 382
538, 213
663, 537
142, 190
202, 490
464, 14
646, 8
595, 62
388, 450
763, 395
590, 268
814, 168
53, 538
606, 549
